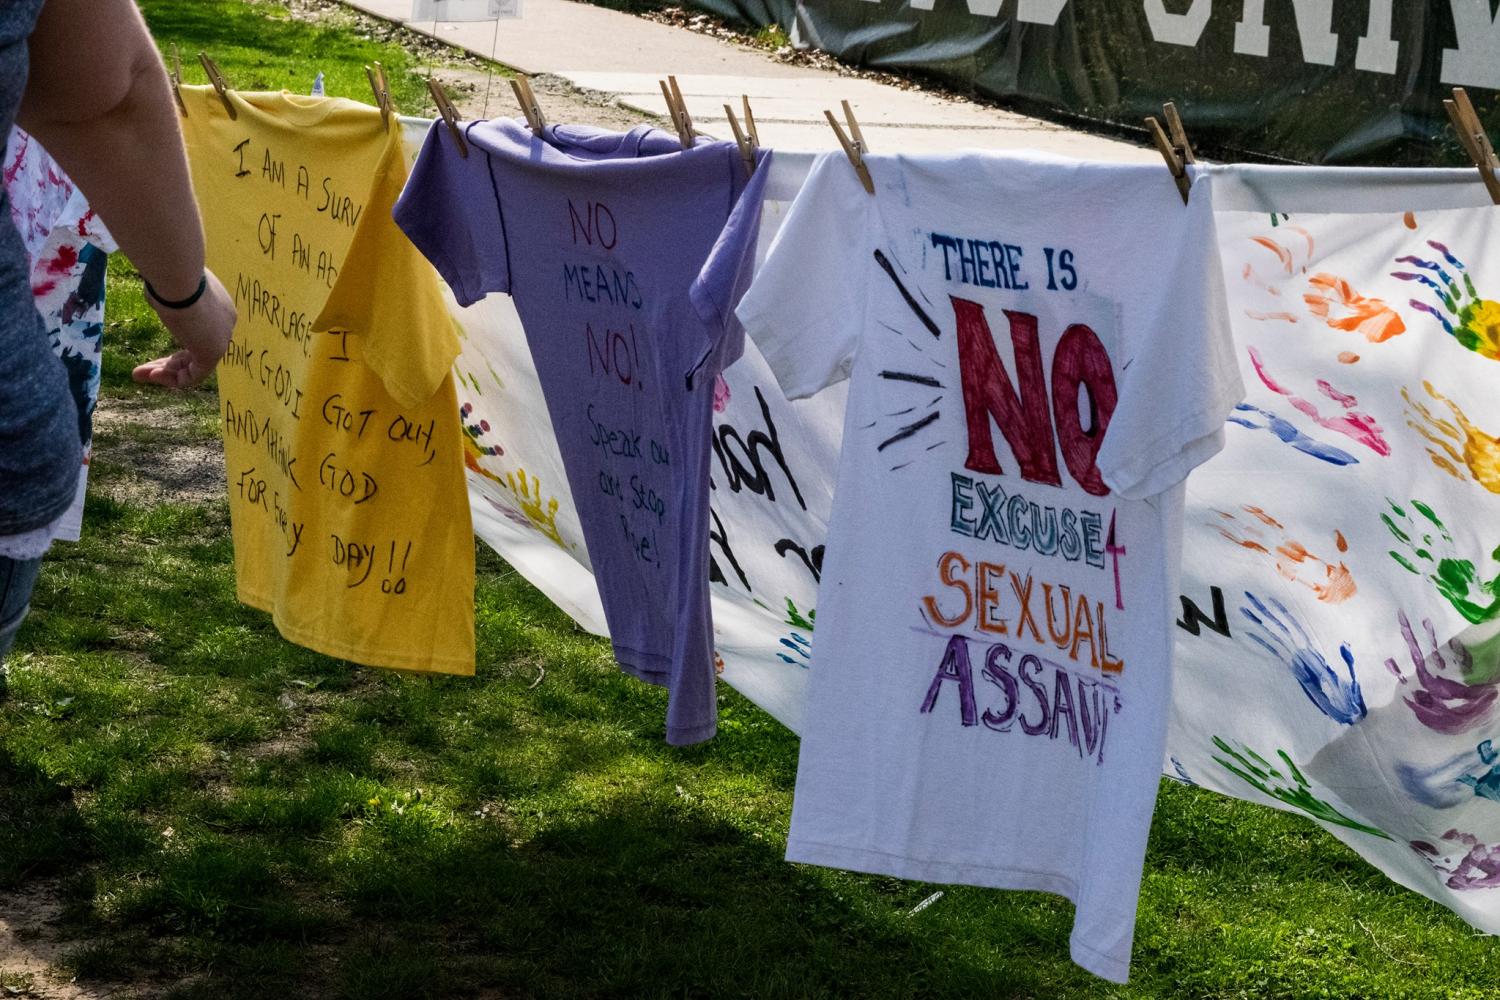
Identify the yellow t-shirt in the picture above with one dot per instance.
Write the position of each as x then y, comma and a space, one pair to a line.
341, 434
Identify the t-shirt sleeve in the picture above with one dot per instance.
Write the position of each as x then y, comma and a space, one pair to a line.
806, 307
387, 296
1181, 380
727, 272
449, 210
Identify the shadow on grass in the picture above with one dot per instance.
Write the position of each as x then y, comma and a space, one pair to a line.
637, 901
42, 834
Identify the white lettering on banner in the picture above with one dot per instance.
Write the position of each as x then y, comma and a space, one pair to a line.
1252, 36
1476, 61
1178, 29
1377, 49
1028, 11
1040, 11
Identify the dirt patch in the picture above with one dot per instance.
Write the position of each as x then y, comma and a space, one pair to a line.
154, 453
31, 948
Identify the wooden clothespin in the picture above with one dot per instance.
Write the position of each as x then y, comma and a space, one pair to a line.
520, 85
750, 128
175, 75
217, 80
1476, 141
743, 138
375, 73
1175, 149
854, 145
677, 108
449, 115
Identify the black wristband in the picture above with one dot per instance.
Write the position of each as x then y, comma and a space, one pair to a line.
180, 303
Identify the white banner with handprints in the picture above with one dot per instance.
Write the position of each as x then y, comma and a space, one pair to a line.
1338, 645
1337, 651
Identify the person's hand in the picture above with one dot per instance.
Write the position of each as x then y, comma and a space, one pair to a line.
203, 329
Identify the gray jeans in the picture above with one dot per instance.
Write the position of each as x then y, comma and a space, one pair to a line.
17, 577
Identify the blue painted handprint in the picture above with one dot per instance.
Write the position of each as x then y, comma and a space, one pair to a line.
1256, 418
1279, 633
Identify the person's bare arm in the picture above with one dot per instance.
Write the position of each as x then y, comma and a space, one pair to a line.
109, 118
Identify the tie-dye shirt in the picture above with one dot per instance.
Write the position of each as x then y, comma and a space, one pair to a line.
68, 247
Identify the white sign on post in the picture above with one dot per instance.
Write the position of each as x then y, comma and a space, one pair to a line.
464, 10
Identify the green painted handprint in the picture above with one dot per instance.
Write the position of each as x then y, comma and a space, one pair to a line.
1429, 552
1263, 775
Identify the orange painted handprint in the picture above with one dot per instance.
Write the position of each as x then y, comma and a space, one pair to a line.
1334, 301
1455, 445
1328, 297
1331, 582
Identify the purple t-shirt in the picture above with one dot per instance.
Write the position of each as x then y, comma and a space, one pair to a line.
610, 243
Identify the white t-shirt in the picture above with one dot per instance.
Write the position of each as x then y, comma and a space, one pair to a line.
991, 674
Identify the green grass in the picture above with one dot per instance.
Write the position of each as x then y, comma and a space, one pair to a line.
259, 45
229, 816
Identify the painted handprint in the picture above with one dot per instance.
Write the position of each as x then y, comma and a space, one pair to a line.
1260, 273
1360, 427
1486, 784
1333, 300
1436, 786
1181, 774
1442, 702
475, 450
529, 496
1278, 632
1328, 297
1426, 549
799, 644
1455, 445
1261, 774
1453, 301
1478, 868
1331, 582
1256, 418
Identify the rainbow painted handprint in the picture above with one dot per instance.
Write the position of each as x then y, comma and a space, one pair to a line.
475, 448
1453, 301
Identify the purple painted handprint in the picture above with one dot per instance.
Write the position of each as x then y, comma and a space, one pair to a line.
1479, 868
1442, 703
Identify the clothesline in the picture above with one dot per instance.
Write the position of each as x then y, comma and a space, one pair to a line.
984, 594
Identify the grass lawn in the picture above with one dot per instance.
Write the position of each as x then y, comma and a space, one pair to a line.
222, 815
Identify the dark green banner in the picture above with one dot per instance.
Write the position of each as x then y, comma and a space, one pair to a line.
1317, 81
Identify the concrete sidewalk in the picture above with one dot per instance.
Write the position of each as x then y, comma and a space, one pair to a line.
620, 54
